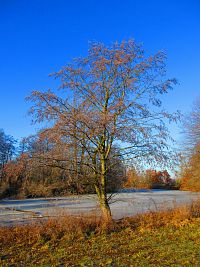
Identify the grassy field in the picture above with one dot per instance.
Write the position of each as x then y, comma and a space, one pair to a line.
166, 238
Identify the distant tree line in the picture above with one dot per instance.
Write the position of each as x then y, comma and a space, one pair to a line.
42, 166
150, 179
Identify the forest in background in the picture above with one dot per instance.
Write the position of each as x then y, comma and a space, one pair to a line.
29, 168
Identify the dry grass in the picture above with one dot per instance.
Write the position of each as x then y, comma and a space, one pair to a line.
34, 244
71, 227
68, 227
176, 216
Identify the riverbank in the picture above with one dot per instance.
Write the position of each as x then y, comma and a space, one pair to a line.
164, 238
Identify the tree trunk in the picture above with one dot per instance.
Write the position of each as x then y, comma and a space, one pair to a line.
105, 208
103, 201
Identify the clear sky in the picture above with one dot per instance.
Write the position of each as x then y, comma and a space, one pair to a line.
38, 37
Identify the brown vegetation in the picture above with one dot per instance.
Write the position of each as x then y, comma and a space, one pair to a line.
34, 243
150, 179
71, 227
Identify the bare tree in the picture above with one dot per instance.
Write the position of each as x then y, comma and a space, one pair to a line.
192, 125
116, 90
190, 168
7, 149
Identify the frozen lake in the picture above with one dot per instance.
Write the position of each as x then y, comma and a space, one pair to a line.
122, 204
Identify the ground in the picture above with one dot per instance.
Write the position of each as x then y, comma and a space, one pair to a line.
174, 244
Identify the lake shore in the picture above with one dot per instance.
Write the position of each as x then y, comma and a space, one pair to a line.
123, 204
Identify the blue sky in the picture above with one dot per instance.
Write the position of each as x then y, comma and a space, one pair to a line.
39, 37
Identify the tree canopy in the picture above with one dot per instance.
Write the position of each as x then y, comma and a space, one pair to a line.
109, 106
